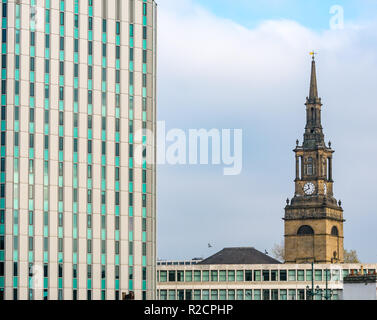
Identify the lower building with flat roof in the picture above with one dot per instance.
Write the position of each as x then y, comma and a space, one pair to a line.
248, 274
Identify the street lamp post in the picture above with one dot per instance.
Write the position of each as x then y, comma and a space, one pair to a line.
311, 292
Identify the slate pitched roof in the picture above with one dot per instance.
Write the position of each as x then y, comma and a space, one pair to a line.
245, 255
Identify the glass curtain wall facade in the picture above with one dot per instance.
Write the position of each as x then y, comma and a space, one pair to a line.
78, 119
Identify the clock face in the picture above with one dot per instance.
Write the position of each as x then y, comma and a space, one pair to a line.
325, 188
309, 188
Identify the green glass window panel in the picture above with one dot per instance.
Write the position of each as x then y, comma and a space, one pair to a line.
222, 275
300, 275
116, 284
197, 275
214, 275
257, 275
240, 275
248, 294
197, 295
15, 282
222, 294
231, 275
318, 275
231, 294
163, 276
205, 275
188, 275
257, 294
214, 295
292, 294
283, 294
172, 295
205, 294
291, 275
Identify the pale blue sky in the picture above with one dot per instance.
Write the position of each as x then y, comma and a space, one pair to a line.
245, 64
310, 13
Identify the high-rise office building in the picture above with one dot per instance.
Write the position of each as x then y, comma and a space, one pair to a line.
78, 115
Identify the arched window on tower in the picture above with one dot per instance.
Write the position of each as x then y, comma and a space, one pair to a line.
305, 231
310, 167
334, 231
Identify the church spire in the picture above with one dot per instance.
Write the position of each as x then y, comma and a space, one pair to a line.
313, 94
313, 136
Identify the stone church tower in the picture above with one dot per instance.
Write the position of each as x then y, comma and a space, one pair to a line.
313, 220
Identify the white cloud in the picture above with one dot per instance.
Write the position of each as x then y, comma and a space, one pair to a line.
215, 72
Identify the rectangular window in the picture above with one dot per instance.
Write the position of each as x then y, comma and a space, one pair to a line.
283, 275
205, 276
214, 295
231, 275
257, 275
292, 275
257, 294
163, 276
266, 275
188, 275
197, 275
172, 276
240, 275
248, 275
318, 275
292, 294
300, 275
180, 276
214, 275
222, 275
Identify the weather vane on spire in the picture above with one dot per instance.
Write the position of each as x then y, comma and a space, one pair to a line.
313, 53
